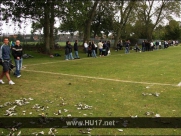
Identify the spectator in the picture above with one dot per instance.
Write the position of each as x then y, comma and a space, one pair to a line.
104, 48
127, 46
118, 46
89, 50
137, 48
67, 51
93, 49
86, 47
5, 57
17, 52
143, 46
76, 50
151, 46
70, 51
121, 45
100, 46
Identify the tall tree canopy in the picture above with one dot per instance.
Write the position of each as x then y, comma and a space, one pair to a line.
151, 13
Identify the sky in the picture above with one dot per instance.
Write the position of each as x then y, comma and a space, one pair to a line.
12, 28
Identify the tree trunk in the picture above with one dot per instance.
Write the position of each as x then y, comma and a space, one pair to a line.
88, 22
52, 21
87, 30
117, 36
46, 28
124, 16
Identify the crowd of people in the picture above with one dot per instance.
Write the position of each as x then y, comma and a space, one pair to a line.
145, 45
103, 47
155, 45
90, 48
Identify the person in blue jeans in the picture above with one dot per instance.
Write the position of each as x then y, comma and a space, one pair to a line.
127, 45
93, 49
67, 51
76, 50
17, 52
70, 51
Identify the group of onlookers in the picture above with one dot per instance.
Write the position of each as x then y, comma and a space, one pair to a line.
91, 48
5, 50
68, 51
121, 45
150, 46
145, 45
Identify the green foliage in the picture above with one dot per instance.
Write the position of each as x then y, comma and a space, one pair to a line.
173, 30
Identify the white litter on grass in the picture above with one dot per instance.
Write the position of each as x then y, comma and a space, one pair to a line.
134, 116
19, 133
157, 94
42, 132
65, 110
179, 84
157, 115
120, 130
69, 115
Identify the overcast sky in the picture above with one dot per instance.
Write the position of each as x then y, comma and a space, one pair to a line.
12, 28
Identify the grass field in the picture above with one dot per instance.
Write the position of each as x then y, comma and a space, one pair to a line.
118, 85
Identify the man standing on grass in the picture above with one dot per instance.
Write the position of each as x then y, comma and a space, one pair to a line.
100, 46
76, 50
127, 46
5, 57
17, 52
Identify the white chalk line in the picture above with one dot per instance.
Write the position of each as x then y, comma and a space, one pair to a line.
99, 78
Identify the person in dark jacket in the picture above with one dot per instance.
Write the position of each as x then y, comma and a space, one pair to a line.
143, 46
70, 51
5, 57
93, 49
104, 48
89, 50
17, 52
76, 50
67, 51
127, 46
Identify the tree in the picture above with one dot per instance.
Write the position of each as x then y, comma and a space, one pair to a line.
42, 12
152, 13
172, 31
79, 15
125, 9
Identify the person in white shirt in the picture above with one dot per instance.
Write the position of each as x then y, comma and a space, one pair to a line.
95, 47
86, 47
151, 45
100, 46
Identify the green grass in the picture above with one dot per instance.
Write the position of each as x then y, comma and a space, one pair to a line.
45, 79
